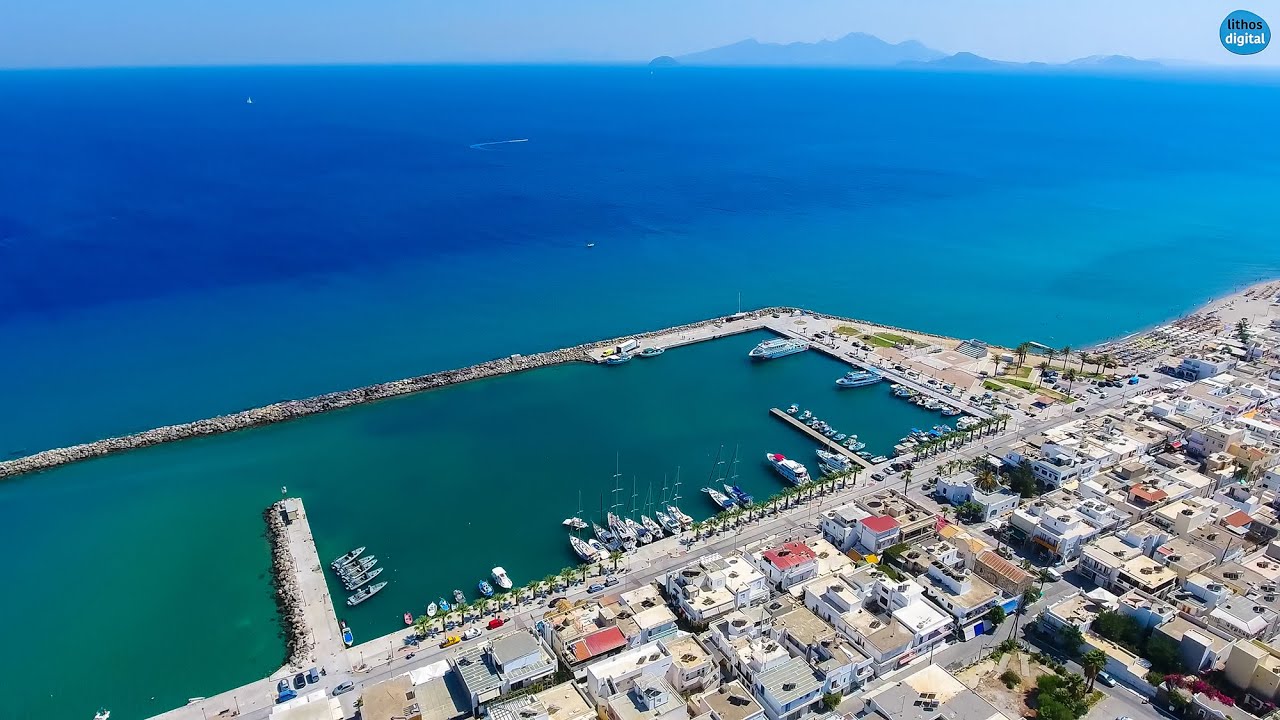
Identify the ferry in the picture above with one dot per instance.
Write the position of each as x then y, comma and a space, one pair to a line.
365, 594
794, 472
859, 378
739, 495
835, 462
719, 498
582, 549
776, 348
347, 638
500, 578
347, 558
485, 589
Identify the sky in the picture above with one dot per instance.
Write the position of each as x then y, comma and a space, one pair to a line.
80, 33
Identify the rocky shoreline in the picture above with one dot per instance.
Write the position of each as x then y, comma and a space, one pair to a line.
293, 621
291, 409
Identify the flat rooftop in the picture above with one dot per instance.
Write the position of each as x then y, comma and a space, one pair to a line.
731, 701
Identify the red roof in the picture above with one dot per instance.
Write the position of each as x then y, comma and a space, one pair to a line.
598, 642
1238, 518
1148, 494
879, 523
789, 555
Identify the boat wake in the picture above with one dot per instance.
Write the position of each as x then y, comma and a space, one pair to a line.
487, 145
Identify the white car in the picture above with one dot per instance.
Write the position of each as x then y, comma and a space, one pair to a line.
471, 632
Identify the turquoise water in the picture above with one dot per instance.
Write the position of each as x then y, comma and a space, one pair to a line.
166, 542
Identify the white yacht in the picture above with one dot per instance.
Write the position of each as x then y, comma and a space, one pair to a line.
776, 348
500, 578
794, 472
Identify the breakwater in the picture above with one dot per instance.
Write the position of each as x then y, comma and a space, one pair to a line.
298, 640
292, 409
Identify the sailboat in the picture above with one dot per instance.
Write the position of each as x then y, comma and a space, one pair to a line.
642, 532
662, 512
626, 536
649, 524
582, 549
576, 522
732, 488
674, 510
248, 101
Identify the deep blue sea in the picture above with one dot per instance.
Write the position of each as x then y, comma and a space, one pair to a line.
169, 251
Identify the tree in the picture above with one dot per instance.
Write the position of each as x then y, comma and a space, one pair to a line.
1084, 357
1071, 638
1070, 377
1242, 330
1092, 663
422, 624
1163, 654
616, 555
969, 511
831, 700
1021, 351
906, 481
1065, 352
1043, 367
995, 616
696, 527
987, 480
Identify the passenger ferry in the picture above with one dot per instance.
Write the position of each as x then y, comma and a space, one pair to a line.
859, 378
794, 472
776, 348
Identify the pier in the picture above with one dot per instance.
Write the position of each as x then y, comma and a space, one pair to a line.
826, 442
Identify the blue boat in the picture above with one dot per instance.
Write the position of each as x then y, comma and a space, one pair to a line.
347, 638
617, 359
443, 604
485, 588
742, 496
860, 378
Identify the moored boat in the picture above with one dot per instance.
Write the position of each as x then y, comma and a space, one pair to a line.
432, 609
776, 348
582, 549
642, 534
458, 597
617, 359
575, 523
443, 605
601, 550
652, 526
652, 352
347, 638
357, 568
102, 714
347, 558
485, 588
806, 415
361, 580
833, 462
671, 524
365, 593
793, 409
679, 516
500, 578
738, 494
719, 498
859, 378
794, 472
408, 618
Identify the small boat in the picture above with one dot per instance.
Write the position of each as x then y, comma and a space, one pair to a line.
879, 459
432, 610
902, 392
652, 526
603, 535
358, 567
248, 101
500, 578
652, 352
793, 409
458, 597
933, 404
575, 523
618, 359
582, 549
347, 639
102, 714
856, 445
738, 494
671, 524
347, 558
951, 411
408, 618
601, 550
358, 581
841, 437
679, 516
806, 415
365, 593
485, 588
719, 498
443, 604
591, 245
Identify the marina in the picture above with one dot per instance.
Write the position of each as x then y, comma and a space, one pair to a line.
819, 438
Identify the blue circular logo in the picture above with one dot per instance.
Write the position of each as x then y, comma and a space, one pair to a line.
1244, 33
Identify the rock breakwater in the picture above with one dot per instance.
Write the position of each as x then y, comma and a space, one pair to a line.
291, 409
298, 641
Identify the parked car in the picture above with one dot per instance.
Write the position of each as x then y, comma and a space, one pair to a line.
450, 641
1080, 409
552, 602
1053, 574
313, 676
1106, 679
610, 581
470, 633
496, 623
282, 685
347, 686
1144, 376
299, 681
595, 588
877, 476
287, 694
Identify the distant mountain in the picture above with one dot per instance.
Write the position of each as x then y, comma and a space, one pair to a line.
862, 50
852, 50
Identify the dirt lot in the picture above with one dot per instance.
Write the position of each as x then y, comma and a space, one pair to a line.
984, 679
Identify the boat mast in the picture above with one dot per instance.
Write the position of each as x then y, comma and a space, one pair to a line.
578, 517
714, 476
664, 491
633, 496
676, 491
733, 468
617, 484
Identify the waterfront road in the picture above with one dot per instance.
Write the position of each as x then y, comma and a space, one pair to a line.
385, 657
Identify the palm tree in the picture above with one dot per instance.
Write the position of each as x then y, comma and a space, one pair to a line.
1084, 356
1071, 638
567, 574
906, 481
1092, 663
1065, 352
422, 624
1050, 354
987, 480
550, 581
696, 527
1021, 351
1042, 367
616, 555
585, 568
997, 359
1070, 377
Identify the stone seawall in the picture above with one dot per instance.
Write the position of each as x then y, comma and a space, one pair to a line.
293, 620
290, 409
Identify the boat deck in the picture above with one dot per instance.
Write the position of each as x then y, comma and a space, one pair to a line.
826, 442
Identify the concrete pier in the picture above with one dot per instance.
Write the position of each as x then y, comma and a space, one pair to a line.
826, 442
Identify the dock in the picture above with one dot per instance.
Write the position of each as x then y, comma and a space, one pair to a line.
819, 438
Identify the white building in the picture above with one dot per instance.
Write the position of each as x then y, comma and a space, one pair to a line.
712, 586
1198, 367
788, 690
961, 488
840, 526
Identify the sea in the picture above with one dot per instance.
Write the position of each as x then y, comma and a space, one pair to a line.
170, 251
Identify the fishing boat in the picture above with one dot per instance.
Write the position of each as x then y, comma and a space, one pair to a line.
776, 348
793, 409
859, 378
575, 523
670, 523
362, 579
347, 638
347, 558
443, 604
358, 567
806, 415
582, 549
652, 526
738, 494
485, 588
951, 411
618, 359
408, 618
792, 471
432, 609
933, 404
458, 597
833, 462
652, 352
365, 593
719, 498
500, 578
856, 445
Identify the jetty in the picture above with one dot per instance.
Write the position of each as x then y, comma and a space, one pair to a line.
823, 440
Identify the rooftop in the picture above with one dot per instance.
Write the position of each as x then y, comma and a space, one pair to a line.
730, 701
512, 647
789, 680
597, 643
804, 627
880, 523
789, 555
686, 651
931, 693
561, 702
1003, 567
477, 673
